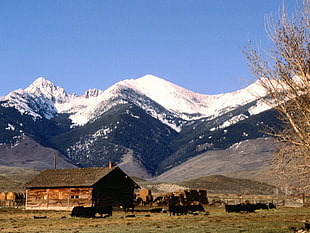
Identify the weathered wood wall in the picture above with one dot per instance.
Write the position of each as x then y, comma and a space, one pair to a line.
58, 198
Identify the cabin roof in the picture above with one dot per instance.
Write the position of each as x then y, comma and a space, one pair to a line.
74, 177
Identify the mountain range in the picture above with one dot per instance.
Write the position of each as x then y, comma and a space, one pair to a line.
149, 127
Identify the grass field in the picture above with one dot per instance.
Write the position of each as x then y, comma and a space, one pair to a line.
277, 221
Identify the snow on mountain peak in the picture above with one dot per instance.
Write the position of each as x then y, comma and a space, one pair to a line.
151, 84
184, 102
167, 94
40, 84
47, 89
92, 93
50, 99
41, 81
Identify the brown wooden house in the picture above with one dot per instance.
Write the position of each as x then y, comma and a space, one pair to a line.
66, 188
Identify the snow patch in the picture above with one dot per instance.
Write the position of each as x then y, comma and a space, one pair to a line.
10, 127
260, 106
230, 122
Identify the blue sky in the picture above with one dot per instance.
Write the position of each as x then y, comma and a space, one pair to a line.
82, 44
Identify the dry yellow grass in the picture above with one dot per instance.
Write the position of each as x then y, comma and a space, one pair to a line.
280, 220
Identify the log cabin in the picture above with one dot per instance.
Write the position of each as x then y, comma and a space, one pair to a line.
63, 189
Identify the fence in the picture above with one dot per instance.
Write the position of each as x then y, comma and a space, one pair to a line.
287, 201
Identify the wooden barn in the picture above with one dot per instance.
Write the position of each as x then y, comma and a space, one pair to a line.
63, 189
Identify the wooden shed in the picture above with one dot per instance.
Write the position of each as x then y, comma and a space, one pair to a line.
63, 189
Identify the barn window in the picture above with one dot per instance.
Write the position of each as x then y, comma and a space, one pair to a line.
75, 196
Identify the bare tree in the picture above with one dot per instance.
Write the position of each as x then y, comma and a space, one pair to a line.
284, 72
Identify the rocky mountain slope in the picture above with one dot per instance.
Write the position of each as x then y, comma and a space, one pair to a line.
249, 156
147, 126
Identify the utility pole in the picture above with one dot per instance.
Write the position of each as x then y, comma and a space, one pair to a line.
54, 160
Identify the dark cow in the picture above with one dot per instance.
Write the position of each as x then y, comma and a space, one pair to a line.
81, 211
77, 211
234, 208
261, 206
90, 212
239, 208
177, 209
194, 208
104, 210
184, 209
250, 208
157, 210
271, 206
39, 217
245, 207
128, 207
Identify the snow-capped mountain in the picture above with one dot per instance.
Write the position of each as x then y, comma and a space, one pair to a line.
147, 123
44, 99
185, 103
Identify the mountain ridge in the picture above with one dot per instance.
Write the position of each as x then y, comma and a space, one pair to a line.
147, 125
179, 101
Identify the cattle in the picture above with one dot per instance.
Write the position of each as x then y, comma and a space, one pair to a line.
157, 210
184, 209
234, 208
194, 208
177, 207
81, 211
245, 207
250, 208
271, 206
261, 206
177, 210
39, 217
76, 211
104, 210
90, 212
128, 207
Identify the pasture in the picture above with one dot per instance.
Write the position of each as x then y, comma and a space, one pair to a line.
216, 219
